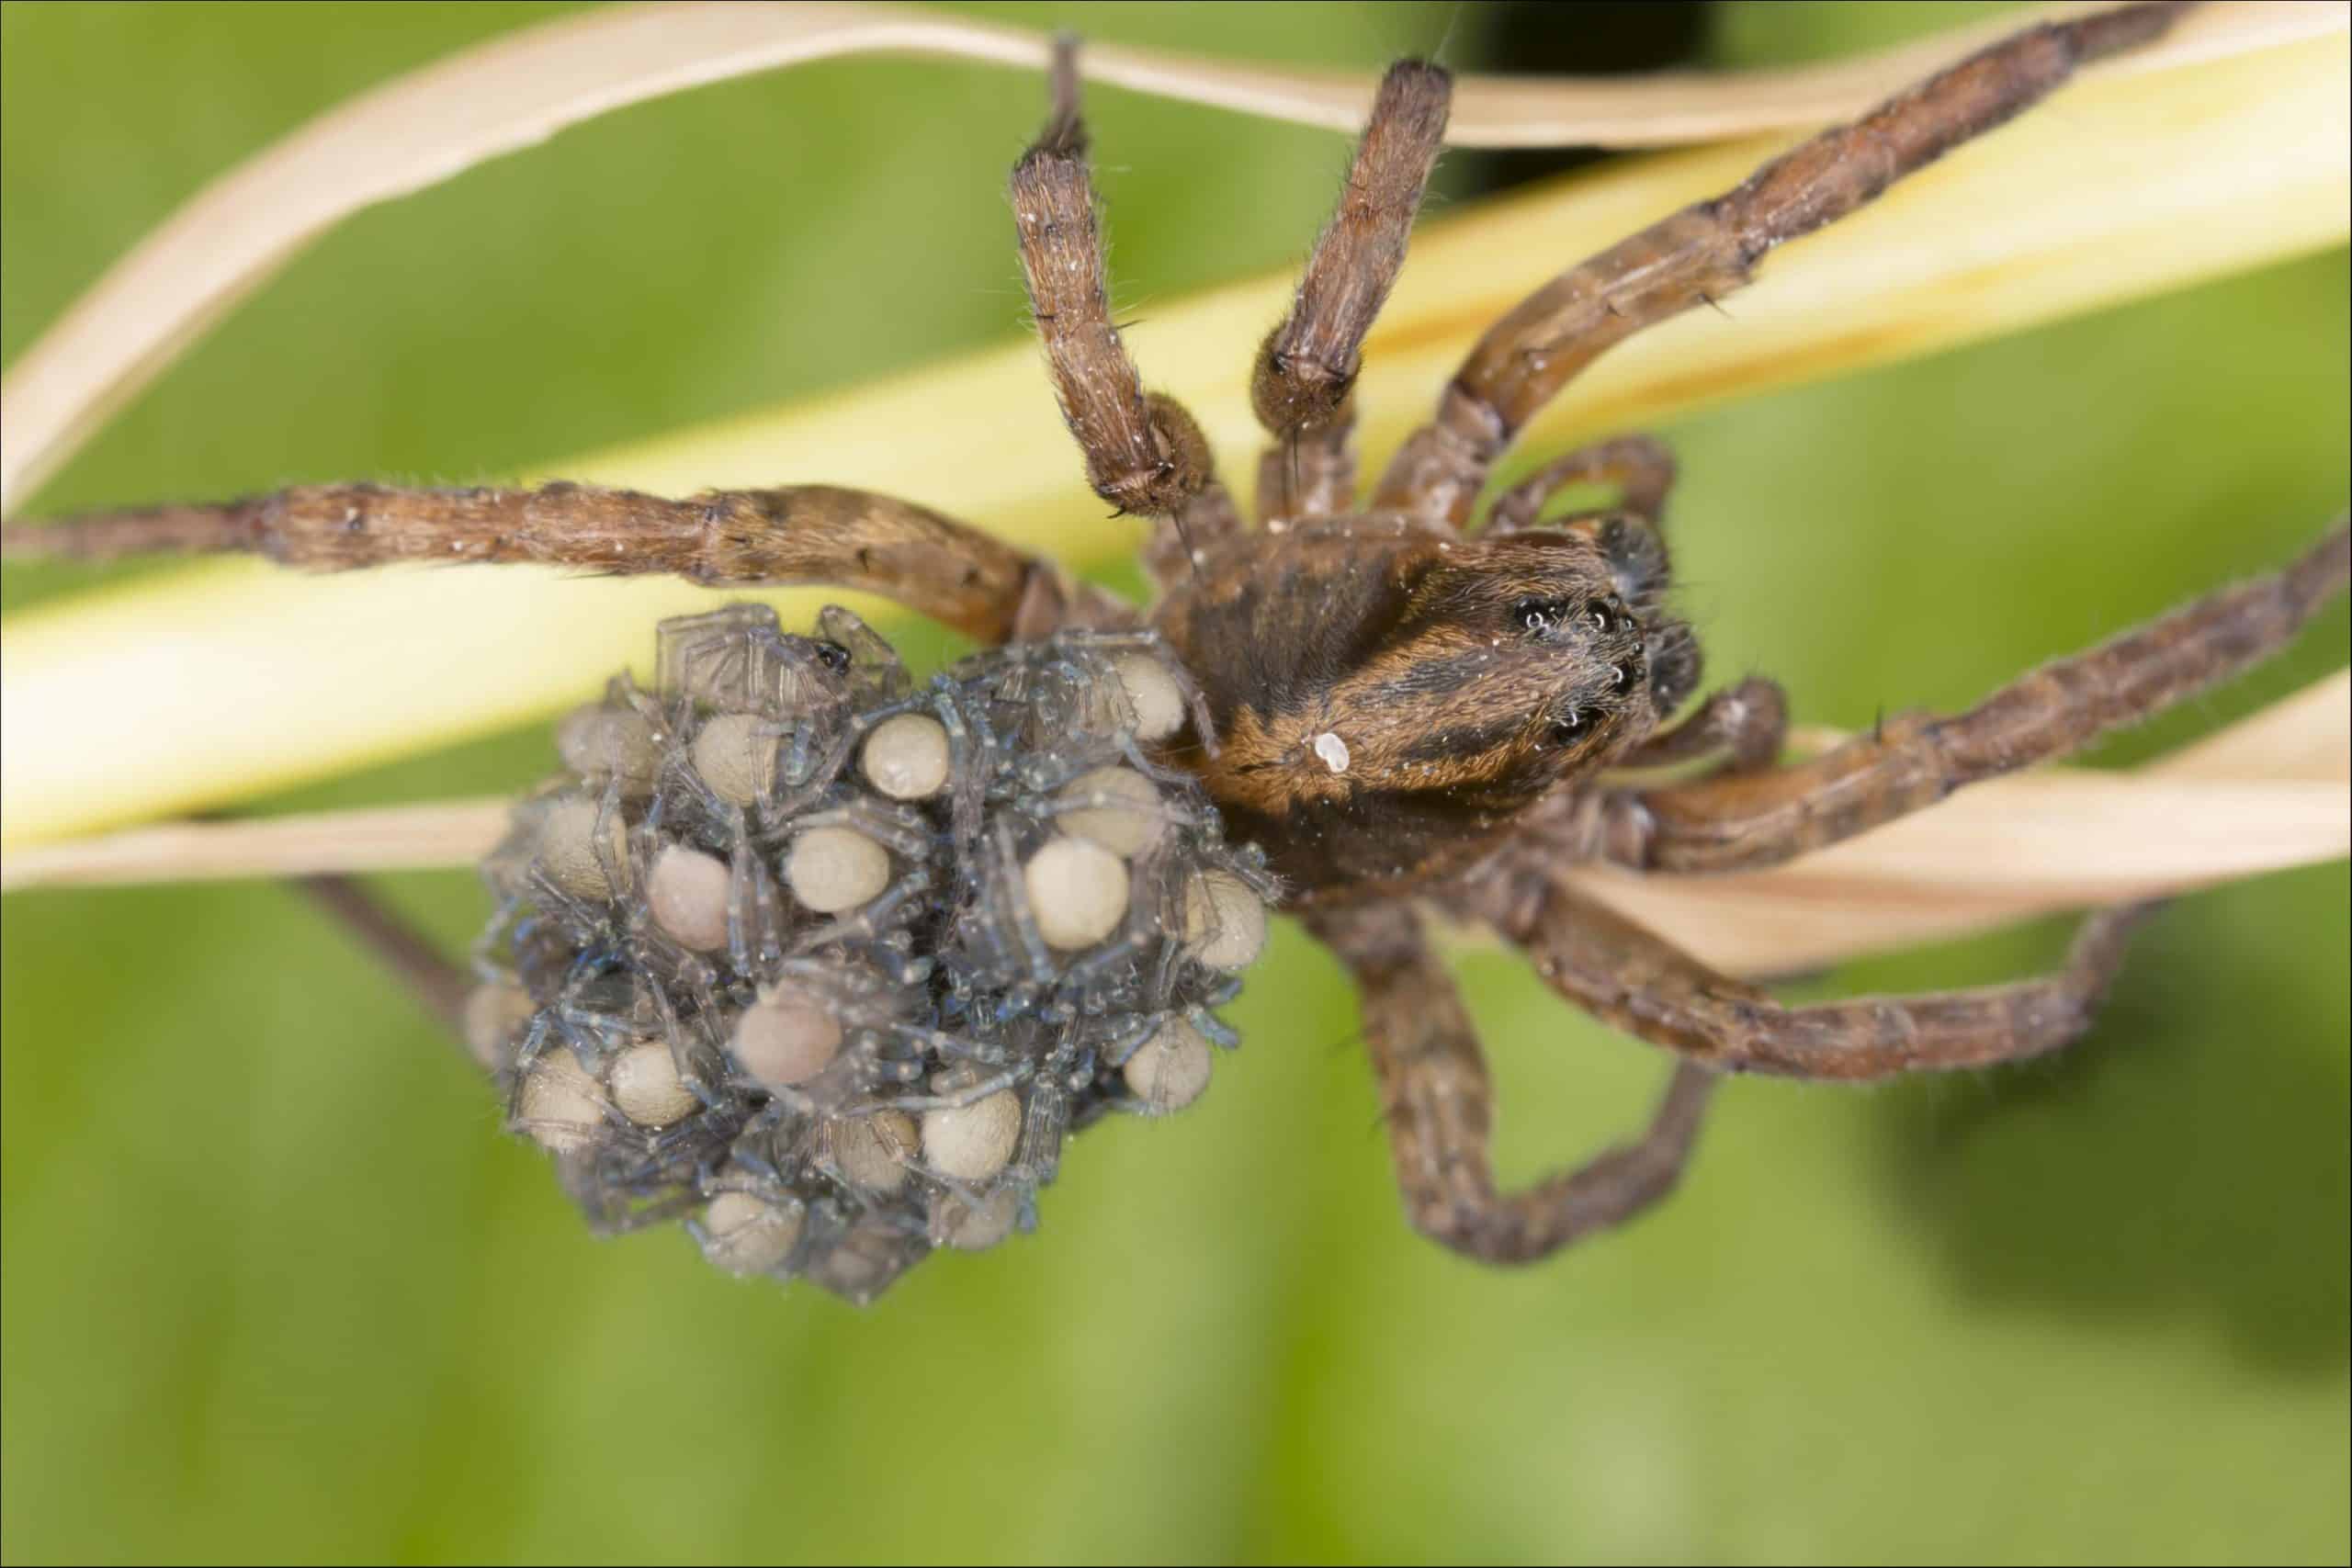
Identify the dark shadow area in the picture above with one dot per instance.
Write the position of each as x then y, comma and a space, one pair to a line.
2189, 1158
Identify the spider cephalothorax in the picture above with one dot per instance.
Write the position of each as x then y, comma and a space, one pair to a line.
1397, 708
1387, 698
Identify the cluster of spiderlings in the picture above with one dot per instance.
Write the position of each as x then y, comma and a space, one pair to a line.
827, 964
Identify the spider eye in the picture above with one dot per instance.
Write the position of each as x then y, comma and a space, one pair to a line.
835, 657
1608, 617
1571, 727
1539, 617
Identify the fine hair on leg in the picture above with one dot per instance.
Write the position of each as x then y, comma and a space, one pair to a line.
1440, 1106
1707, 251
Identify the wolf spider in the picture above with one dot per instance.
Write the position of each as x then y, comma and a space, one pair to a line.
1406, 710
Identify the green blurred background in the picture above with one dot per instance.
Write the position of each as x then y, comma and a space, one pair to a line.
274, 1289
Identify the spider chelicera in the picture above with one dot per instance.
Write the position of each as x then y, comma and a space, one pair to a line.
1403, 711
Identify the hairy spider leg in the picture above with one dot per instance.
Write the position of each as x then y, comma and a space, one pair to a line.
1440, 1108
1639, 466
1739, 821
1144, 453
812, 534
438, 986
1746, 725
1637, 980
1302, 389
1708, 250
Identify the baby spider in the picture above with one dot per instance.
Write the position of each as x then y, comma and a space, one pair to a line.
1399, 710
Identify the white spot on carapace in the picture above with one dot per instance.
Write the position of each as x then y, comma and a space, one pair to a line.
1333, 751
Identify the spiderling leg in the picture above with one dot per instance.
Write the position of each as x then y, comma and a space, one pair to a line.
1638, 981
1737, 821
1440, 1106
1307, 366
1747, 724
1641, 469
815, 534
1705, 252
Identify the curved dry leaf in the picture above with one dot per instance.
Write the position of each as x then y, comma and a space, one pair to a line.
442, 835
2145, 184
2232, 159
2010, 848
517, 91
